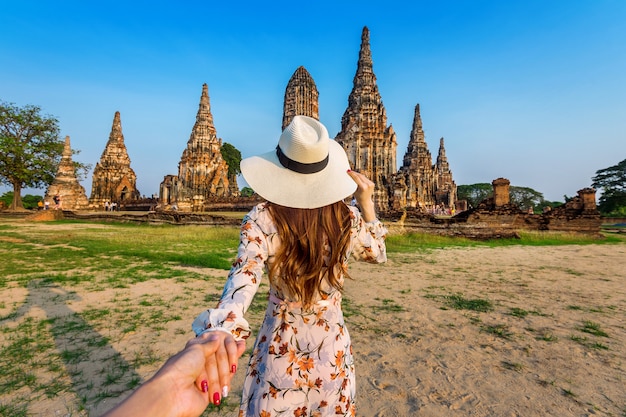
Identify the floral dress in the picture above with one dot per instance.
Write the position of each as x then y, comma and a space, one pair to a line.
302, 363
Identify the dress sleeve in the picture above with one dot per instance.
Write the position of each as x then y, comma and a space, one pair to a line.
368, 239
241, 286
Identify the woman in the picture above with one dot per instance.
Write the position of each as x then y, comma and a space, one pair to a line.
302, 236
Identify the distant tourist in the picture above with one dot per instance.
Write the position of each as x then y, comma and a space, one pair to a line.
57, 201
106, 206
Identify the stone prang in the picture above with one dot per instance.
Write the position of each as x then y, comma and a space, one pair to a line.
114, 181
301, 97
367, 139
202, 171
65, 188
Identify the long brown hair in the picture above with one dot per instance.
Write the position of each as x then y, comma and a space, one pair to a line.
302, 262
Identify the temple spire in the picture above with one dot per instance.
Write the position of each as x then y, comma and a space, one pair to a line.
114, 181
365, 64
301, 97
369, 142
417, 155
202, 170
65, 185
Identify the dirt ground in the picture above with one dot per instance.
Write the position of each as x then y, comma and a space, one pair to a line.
553, 341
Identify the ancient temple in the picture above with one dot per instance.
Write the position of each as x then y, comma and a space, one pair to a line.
65, 187
369, 142
114, 181
445, 187
301, 97
418, 183
202, 171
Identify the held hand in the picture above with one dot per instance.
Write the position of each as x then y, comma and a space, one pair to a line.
219, 367
363, 195
188, 382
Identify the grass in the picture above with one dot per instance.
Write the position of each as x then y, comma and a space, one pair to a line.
459, 302
414, 242
45, 355
592, 328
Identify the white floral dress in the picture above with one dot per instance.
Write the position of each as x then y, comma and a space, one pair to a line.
302, 361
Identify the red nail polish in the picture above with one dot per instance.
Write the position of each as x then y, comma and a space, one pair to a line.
216, 398
205, 386
233, 369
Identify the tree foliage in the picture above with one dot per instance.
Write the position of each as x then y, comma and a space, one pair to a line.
30, 149
612, 182
247, 192
474, 193
29, 201
523, 197
232, 156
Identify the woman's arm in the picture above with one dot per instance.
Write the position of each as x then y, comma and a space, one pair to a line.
187, 382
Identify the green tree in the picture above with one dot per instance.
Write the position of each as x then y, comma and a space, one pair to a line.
474, 193
612, 182
232, 156
30, 149
29, 201
525, 197
247, 192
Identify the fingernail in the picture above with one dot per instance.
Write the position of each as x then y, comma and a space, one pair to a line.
225, 391
205, 386
349, 170
216, 398
233, 369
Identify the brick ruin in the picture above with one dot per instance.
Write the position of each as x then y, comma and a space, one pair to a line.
114, 181
497, 217
65, 185
202, 171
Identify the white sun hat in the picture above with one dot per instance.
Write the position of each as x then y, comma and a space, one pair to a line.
306, 170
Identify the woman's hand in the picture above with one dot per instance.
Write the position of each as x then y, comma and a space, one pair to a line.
363, 195
189, 381
220, 367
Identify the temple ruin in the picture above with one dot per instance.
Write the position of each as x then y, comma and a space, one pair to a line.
369, 142
420, 184
114, 181
408, 197
65, 187
301, 97
202, 171
371, 146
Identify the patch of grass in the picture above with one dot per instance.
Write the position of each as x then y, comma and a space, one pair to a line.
389, 306
518, 312
592, 328
419, 242
499, 330
513, 366
459, 302
14, 410
568, 393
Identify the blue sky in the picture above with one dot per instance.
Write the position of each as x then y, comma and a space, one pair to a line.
533, 91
